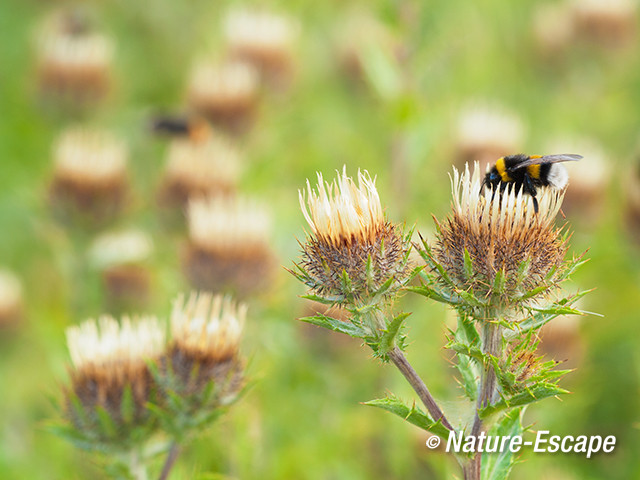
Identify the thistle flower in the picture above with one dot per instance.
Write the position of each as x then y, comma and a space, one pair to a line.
11, 303
586, 199
606, 22
264, 40
110, 379
352, 251
494, 244
487, 132
199, 169
74, 63
204, 350
224, 93
228, 244
90, 176
122, 258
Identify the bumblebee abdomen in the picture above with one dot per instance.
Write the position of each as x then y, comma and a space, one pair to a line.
554, 175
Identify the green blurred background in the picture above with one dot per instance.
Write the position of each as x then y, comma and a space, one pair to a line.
302, 418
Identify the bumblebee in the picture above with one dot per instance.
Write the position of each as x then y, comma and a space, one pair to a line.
529, 173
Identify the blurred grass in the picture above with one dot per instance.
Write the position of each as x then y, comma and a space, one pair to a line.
302, 418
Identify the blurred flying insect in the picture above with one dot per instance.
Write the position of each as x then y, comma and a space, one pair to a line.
194, 128
529, 173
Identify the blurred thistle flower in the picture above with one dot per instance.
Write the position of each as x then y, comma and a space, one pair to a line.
605, 22
73, 62
122, 258
228, 244
90, 176
553, 28
495, 245
632, 207
110, 379
224, 93
265, 40
194, 169
353, 252
586, 199
487, 132
11, 301
202, 371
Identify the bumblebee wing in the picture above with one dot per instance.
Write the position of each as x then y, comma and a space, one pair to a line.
565, 157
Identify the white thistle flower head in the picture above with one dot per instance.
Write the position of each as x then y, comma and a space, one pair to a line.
350, 238
509, 212
207, 326
111, 346
88, 156
258, 31
120, 248
499, 231
201, 167
343, 212
220, 224
218, 85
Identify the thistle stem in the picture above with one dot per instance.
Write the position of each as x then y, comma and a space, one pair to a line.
402, 364
174, 452
491, 343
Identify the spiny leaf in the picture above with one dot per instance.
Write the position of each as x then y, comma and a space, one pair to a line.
330, 300
533, 394
431, 293
468, 265
411, 414
336, 325
497, 466
387, 341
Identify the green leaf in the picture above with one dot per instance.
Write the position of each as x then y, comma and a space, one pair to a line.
533, 394
497, 466
127, 407
346, 282
522, 272
369, 273
433, 294
468, 367
470, 299
330, 300
499, 282
411, 414
388, 339
468, 265
347, 328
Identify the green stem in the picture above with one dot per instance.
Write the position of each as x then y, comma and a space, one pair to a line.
491, 344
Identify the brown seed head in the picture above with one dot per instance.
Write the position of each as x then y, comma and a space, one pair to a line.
499, 234
349, 229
